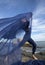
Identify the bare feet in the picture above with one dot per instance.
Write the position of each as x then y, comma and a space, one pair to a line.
34, 57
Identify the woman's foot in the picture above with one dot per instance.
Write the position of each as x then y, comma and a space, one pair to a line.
34, 57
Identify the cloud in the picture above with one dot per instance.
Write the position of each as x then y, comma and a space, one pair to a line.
40, 9
39, 37
13, 7
38, 29
38, 22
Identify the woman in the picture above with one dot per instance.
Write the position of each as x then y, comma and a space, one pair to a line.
27, 36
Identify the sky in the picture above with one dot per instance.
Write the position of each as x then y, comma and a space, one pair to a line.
10, 8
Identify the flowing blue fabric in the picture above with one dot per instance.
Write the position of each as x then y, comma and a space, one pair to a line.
8, 30
9, 26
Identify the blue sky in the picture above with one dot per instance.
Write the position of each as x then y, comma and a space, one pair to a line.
9, 8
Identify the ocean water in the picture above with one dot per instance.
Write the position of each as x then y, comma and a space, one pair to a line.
40, 47
40, 44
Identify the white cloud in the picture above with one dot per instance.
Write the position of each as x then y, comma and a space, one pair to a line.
38, 25
38, 30
39, 37
35, 22
39, 11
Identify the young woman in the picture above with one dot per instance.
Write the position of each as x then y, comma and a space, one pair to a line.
27, 37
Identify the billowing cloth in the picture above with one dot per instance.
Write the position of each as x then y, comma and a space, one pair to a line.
31, 62
9, 26
7, 57
8, 30
7, 45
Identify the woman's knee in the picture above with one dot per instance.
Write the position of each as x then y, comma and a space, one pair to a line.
34, 45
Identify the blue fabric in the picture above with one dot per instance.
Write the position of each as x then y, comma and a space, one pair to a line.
31, 62
9, 26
